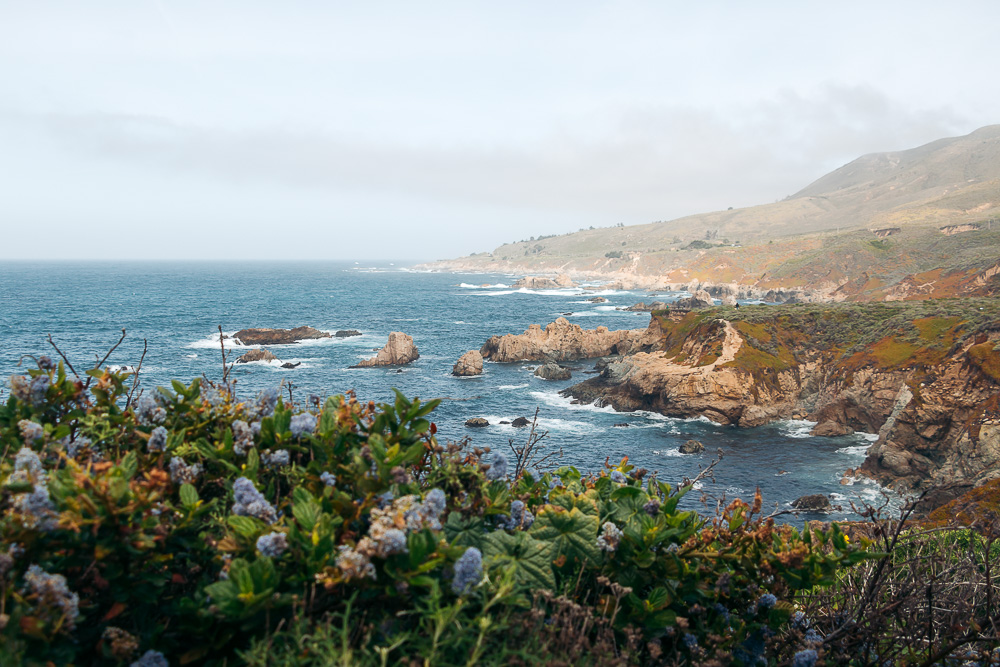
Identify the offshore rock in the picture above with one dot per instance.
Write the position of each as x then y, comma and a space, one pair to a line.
398, 351
278, 336
469, 364
345, 333
816, 502
691, 447
562, 341
520, 422
831, 429
641, 307
540, 282
476, 422
553, 371
257, 355
597, 299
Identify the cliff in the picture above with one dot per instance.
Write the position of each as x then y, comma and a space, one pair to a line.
924, 375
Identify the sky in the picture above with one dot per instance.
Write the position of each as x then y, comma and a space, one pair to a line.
151, 129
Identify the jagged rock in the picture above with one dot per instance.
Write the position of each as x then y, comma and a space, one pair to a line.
398, 351
470, 363
597, 299
521, 422
698, 299
562, 341
691, 447
476, 422
621, 425
289, 364
278, 336
257, 355
540, 282
641, 307
830, 429
344, 333
813, 503
553, 372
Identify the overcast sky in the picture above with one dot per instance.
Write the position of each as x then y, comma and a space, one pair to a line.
421, 130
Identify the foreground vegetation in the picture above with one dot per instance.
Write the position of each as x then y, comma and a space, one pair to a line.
188, 526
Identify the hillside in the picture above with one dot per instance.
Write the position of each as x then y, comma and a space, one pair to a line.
883, 219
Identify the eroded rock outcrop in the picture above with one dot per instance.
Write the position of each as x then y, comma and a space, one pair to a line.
278, 336
261, 354
553, 371
469, 364
563, 341
541, 282
398, 351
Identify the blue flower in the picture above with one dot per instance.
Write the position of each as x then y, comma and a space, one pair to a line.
766, 601
157, 440
52, 596
690, 641
806, 658
468, 571
148, 411
251, 502
267, 400
272, 545
800, 620
30, 431
617, 477
652, 508
520, 517
46, 363
303, 424
609, 538
435, 502
498, 467
181, 472
39, 387
328, 478
242, 437
721, 610
393, 542
812, 637
277, 458
151, 659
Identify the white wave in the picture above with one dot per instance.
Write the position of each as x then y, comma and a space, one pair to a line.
667, 452
191, 356
606, 309
568, 426
565, 402
856, 450
459, 322
796, 428
212, 342
512, 386
496, 286
867, 437
583, 313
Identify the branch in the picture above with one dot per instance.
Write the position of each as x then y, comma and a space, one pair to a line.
135, 379
101, 362
52, 343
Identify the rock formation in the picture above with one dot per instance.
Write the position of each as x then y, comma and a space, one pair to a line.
277, 336
698, 299
476, 422
641, 307
470, 363
597, 299
540, 282
521, 422
816, 502
257, 355
398, 351
553, 371
562, 341
345, 333
691, 447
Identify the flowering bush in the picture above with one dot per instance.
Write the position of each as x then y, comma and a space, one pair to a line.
193, 527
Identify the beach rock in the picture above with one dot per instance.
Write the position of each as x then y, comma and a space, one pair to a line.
278, 336
553, 372
469, 364
345, 333
521, 422
257, 355
563, 341
691, 447
398, 351
830, 429
597, 299
289, 364
540, 282
476, 422
816, 502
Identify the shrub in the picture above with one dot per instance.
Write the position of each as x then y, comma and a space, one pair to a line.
201, 528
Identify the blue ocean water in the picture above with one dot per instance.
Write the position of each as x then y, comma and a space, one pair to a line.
177, 308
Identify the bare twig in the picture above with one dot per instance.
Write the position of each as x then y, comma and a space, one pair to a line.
225, 368
135, 378
52, 343
101, 362
531, 454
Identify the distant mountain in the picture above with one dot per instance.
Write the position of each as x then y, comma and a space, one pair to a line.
912, 204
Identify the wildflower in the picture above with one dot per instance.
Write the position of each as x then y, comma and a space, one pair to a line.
123, 644
800, 620
35, 506
211, 394
721, 610
520, 517
157, 440
255, 428
182, 473
617, 477
148, 411
354, 565
46, 363
242, 437
435, 502
498, 467
53, 599
75, 445
690, 641
652, 508
385, 499
303, 424
468, 571
766, 601
20, 388
151, 659
812, 637
27, 463
272, 545
39, 387
328, 478
393, 542
806, 658
251, 502
277, 458
609, 538
30, 431
267, 400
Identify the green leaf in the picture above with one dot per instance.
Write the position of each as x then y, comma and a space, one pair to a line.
530, 559
307, 514
129, 465
573, 534
189, 495
246, 526
461, 531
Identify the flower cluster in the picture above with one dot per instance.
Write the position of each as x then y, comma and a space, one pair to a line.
275, 459
52, 598
766, 601
39, 388
498, 467
303, 424
272, 545
652, 507
211, 394
148, 411
242, 437
609, 538
266, 402
618, 477
157, 440
182, 473
328, 478
151, 659
806, 658
35, 506
354, 565
31, 432
468, 571
520, 518
251, 502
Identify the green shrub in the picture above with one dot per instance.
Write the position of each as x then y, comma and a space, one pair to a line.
219, 531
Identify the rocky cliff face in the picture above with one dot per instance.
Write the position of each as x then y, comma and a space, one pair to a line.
562, 341
929, 385
398, 351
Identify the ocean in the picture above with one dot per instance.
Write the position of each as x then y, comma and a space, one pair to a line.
177, 307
